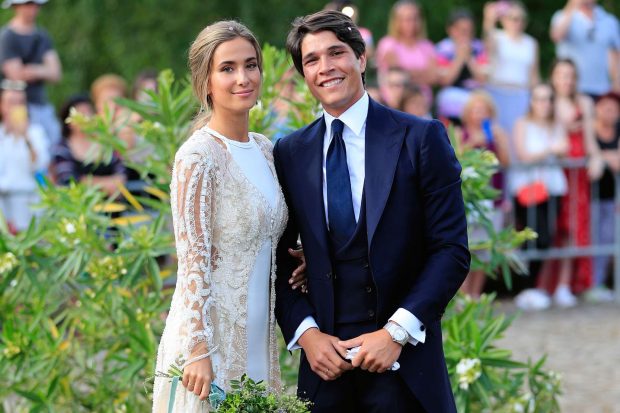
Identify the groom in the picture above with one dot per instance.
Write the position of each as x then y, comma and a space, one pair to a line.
375, 195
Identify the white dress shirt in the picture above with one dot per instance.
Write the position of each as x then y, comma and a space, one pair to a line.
354, 136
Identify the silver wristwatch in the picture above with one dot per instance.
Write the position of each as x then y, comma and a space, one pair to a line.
398, 333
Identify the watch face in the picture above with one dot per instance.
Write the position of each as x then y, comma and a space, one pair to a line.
399, 334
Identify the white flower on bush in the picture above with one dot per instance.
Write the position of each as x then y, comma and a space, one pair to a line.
517, 407
469, 173
555, 380
8, 261
468, 371
120, 409
530, 401
69, 228
525, 403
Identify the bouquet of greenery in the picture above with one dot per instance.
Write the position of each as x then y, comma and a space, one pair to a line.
246, 396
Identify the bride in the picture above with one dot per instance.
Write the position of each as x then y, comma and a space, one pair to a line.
228, 213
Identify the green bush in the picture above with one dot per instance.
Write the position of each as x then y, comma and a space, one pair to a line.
484, 377
82, 302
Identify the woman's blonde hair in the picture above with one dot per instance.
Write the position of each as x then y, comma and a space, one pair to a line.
392, 29
200, 62
107, 81
478, 96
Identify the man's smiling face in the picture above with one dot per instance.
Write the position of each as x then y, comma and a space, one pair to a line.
332, 71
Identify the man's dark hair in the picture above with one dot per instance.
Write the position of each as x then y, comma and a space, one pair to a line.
460, 13
326, 20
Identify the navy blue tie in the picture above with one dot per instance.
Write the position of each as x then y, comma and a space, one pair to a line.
339, 198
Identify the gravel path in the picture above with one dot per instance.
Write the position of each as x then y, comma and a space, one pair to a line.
582, 344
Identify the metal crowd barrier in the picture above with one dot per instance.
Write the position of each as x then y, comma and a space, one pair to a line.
530, 251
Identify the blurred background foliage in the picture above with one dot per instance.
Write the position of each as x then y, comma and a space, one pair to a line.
99, 36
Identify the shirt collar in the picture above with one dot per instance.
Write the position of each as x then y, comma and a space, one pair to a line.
354, 117
599, 12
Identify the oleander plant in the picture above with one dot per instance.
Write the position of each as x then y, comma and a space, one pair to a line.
85, 290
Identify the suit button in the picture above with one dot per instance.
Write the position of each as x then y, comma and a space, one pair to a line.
371, 313
366, 265
369, 289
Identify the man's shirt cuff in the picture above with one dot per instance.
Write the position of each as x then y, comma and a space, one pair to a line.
308, 322
415, 328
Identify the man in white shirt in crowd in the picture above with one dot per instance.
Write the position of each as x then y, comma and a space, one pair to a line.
590, 36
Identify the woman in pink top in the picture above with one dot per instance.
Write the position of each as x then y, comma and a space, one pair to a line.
407, 47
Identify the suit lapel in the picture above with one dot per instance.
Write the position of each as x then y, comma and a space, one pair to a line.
384, 140
310, 155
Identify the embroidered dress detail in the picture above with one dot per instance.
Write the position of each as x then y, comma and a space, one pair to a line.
221, 222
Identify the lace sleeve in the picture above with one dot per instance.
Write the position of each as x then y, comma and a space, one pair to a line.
192, 209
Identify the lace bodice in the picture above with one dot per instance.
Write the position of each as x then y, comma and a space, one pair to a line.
220, 223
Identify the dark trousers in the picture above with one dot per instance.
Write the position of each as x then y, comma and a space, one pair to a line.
359, 391
541, 218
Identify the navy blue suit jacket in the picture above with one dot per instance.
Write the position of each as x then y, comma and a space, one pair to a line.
417, 238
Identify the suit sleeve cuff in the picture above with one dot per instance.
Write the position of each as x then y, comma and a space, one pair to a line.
308, 322
415, 328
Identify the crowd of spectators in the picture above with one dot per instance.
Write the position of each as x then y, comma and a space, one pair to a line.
489, 87
36, 141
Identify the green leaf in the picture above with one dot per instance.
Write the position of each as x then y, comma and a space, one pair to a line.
32, 396
154, 273
509, 364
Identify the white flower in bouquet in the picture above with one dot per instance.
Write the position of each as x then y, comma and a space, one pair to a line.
489, 158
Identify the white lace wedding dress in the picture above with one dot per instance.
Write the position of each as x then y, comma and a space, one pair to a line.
228, 213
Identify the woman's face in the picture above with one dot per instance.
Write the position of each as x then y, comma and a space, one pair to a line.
417, 105
541, 101
564, 79
514, 20
146, 85
462, 30
607, 111
106, 99
85, 109
407, 21
478, 112
235, 80
394, 86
